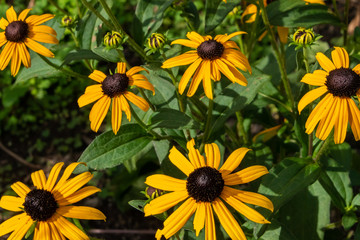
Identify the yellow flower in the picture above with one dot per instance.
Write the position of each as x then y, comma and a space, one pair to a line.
49, 204
20, 33
204, 190
211, 57
114, 87
337, 108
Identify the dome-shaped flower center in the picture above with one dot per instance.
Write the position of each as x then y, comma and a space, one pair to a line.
40, 205
16, 31
116, 84
210, 50
343, 82
205, 184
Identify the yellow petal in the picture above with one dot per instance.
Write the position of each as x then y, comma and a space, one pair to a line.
6, 54
39, 179
121, 67
116, 115
310, 97
199, 219
13, 223
227, 37
248, 212
38, 48
44, 231
213, 157
21, 229
3, 24
250, 197
341, 122
125, 107
68, 171
3, 39
69, 230
317, 114
55, 232
195, 37
21, 189
183, 59
100, 109
233, 161
178, 218
11, 203
186, 43
11, 14
43, 29
325, 62
354, 118
237, 59
39, 19
246, 175
340, 57
94, 88
44, 37
97, 76
81, 212
228, 222
196, 80
145, 85
88, 98
207, 85
165, 202
283, 33
15, 61
238, 76
24, 14
165, 183
72, 185
180, 161
78, 195
138, 101
134, 70
209, 222
327, 123
318, 78
187, 75
195, 157
24, 55
54, 173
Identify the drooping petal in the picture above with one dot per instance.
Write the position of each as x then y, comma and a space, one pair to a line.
196, 80
38, 48
199, 219
227, 37
325, 62
39, 19
13, 223
233, 161
207, 80
327, 123
55, 232
11, 203
187, 75
248, 212
317, 78
125, 107
246, 175
121, 67
24, 55
134, 70
186, 43
340, 57
145, 85
239, 77
72, 185
54, 173
180, 161
195, 157
68, 171
94, 88
99, 110
116, 114
310, 97
319, 111
165, 183
98, 76
78, 195
236, 58
39, 179
164, 202
183, 59
44, 231
138, 101
6, 54
341, 122
209, 222
178, 218
43, 29
15, 61
81, 212
21, 229
69, 230
44, 38
212, 153
21, 189
88, 98
228, 222
354, 118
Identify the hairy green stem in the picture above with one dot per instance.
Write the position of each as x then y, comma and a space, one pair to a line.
241, 129
323, 149
279, 59
91, 8
64, 70
207, 129
346, 21
276, 101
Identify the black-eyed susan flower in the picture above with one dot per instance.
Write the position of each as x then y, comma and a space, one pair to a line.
22, 32
341, 84
205, 190
48, 205
211, 58
114, 88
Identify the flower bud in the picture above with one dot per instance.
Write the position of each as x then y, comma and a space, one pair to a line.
113, 39
304, 36
156, 41
67, 21
152, 193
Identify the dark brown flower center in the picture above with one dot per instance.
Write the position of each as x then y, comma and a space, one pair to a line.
40, 205
116, 84
16, 31
205, 184
343, 82
210, 50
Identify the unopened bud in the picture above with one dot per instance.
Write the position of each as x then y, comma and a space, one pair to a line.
304, 36
67, 21
156, 41
152, 193
113, 39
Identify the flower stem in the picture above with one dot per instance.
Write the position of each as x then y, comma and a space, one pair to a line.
311, 135
323, 149
207, 125
346, 21
64, 70
143, 125
240, 126
279, 59
118, 27
91, 8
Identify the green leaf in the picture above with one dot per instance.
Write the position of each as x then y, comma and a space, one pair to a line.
110, 55
162, 148
81, 54
12, 93
191, 12
348, 220
356, 200
216, 11
138, 204
235, 97
110, 150
310, 210
173, 119
38, 69
276, 231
